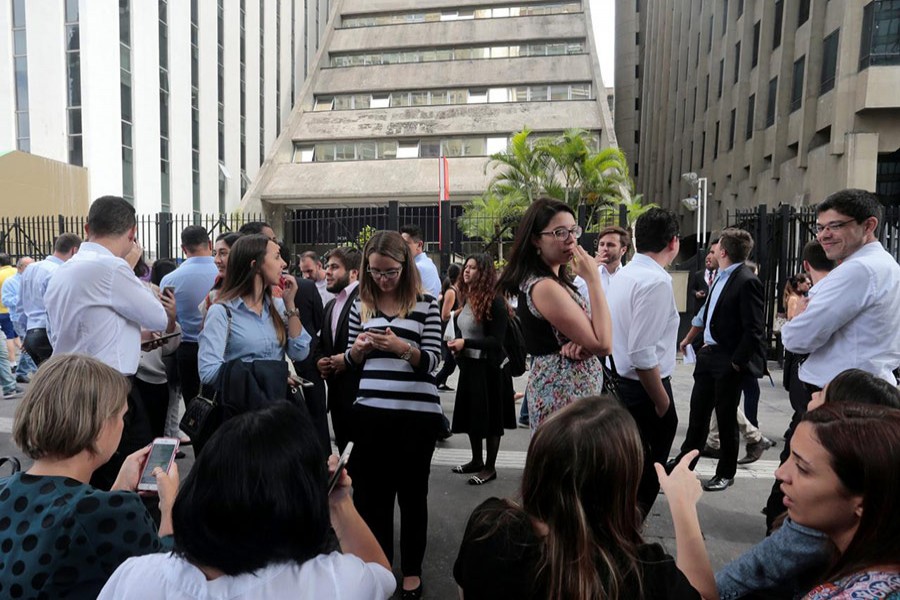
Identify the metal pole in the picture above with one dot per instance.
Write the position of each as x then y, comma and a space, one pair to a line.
705, 184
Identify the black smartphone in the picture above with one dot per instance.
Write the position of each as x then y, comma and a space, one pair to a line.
342, 462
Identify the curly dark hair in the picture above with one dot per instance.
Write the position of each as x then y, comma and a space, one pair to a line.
479, 293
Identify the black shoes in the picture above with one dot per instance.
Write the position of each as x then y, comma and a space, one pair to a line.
411, 594
444, 388
717, 484
710, 452
755, 451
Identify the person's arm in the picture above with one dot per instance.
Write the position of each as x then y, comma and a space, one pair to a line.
682, 489
837, 299
211, 353
654, 308
134, 302
447, 306
692, 333
494, 328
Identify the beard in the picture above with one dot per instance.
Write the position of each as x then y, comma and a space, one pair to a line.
338, 285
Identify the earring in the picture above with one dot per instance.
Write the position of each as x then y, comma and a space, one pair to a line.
538, 251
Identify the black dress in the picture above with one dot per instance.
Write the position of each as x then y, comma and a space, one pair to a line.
485, 402
500, 552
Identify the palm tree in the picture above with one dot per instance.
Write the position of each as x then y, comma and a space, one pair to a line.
492, 217
525, 168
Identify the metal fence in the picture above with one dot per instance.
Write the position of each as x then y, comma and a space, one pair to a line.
159, 233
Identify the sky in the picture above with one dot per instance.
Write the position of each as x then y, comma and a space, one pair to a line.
603, 15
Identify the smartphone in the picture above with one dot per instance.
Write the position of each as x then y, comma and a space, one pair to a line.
169, 290
342, 462
162, 454
376, 331
161, 338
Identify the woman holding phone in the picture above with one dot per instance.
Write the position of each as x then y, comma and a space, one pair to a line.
64, 538
395, 343
484, 398
561, 333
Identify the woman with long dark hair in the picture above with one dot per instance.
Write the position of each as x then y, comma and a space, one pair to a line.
561, 333
484, 397
221, 250
576, 534
395, 343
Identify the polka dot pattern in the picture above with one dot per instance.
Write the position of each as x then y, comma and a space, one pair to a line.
60, 537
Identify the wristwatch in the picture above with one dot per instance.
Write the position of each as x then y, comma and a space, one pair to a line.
292, 313
408, 354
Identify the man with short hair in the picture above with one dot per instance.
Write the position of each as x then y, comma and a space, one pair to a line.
431, 281
645, 332
852, 318
191, 282
732, 325
96, 306
342, 273
312, 270
702, 280
9, 293
32, 310
612, 246
258, 227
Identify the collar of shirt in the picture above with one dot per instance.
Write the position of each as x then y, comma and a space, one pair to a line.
646, 262
709, 308
199, 259
342, 295
340, 300
603, 269
92, 251
54, 259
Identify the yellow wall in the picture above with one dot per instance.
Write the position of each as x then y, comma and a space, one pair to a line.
31, 185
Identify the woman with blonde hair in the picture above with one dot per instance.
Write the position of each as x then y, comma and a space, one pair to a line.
395, 344
64, 538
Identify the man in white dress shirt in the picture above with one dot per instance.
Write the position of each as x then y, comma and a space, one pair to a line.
852, 319
431, 281
96, 306
645, 336
612, 246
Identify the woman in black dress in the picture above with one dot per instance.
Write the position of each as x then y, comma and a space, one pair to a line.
484, 394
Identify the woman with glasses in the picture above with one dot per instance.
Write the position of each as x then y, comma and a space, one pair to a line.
561, 333
395, 344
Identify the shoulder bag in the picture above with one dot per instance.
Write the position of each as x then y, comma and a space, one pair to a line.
204, 413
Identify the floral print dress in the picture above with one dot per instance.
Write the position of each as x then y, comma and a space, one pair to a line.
554, 380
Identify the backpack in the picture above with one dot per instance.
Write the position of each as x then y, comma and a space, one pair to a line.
514, 346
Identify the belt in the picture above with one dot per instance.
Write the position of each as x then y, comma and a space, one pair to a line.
36, 329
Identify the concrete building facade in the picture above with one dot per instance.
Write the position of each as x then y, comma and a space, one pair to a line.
776, 102
397, 86
173, 104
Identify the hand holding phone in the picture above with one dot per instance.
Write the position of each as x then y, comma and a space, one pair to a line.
162, 455
342, 462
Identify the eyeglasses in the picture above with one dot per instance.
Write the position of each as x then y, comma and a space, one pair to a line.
562, 234
377, 274
833, 226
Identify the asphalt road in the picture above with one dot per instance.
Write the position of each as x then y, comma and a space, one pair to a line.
731, 520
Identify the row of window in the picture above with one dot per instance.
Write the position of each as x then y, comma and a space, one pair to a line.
419, 55
524, 93
403, 18
458, 146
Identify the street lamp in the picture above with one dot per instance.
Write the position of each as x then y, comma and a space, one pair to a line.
697, 204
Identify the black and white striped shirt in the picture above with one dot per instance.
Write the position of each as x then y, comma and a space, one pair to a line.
389, 382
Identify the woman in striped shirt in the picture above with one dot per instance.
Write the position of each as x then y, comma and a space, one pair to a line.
395, 342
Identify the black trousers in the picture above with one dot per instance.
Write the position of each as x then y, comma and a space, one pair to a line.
135, 435
392, 459
448, 367
717, 387
155, 397
657, 434
37, 345
315, 397
188, 371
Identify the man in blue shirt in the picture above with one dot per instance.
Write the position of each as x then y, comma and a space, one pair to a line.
428, 273
190, 282
32, 313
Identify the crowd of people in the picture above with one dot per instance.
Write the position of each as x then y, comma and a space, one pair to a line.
121, 349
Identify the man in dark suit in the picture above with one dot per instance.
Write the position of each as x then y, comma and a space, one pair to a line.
732, 326
341, 278
701, 280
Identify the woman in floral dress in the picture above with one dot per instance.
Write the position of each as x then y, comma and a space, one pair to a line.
564, 338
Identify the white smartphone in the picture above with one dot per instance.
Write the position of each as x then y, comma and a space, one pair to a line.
162, 455
342, 462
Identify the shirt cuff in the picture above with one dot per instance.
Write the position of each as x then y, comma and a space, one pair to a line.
644, 358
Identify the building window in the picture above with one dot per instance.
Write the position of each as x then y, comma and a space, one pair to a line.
721, 77
803, 13
418, 55
462, 14
797, 84
779, 22
716, 143
164, 181
637, 71
125, 86
710, 38
20, 60
73, 84
731, 128
694, 112
829, 61
887, 178
637, 103
724, 16
770, 105
706, 100
637, 38
737, 61
751, 112
879, 43
637, 136
740, 10
702, 148
755, 56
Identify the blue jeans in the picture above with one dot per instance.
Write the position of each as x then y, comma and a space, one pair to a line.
26, 364
7, 380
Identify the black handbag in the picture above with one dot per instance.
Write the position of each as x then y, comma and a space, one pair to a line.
610, 378
204, 413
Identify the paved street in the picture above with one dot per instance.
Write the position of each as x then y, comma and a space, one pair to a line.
731, 520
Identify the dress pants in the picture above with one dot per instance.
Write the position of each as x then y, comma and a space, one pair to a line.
657, 434
392, 459
37, 345
135, 435
717, 387
188, 370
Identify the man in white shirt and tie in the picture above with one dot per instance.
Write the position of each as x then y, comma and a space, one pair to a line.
645, 334
852, 319
96, 306
613, 244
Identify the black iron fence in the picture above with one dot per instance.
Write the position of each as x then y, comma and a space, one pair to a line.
780, 235
159, 233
